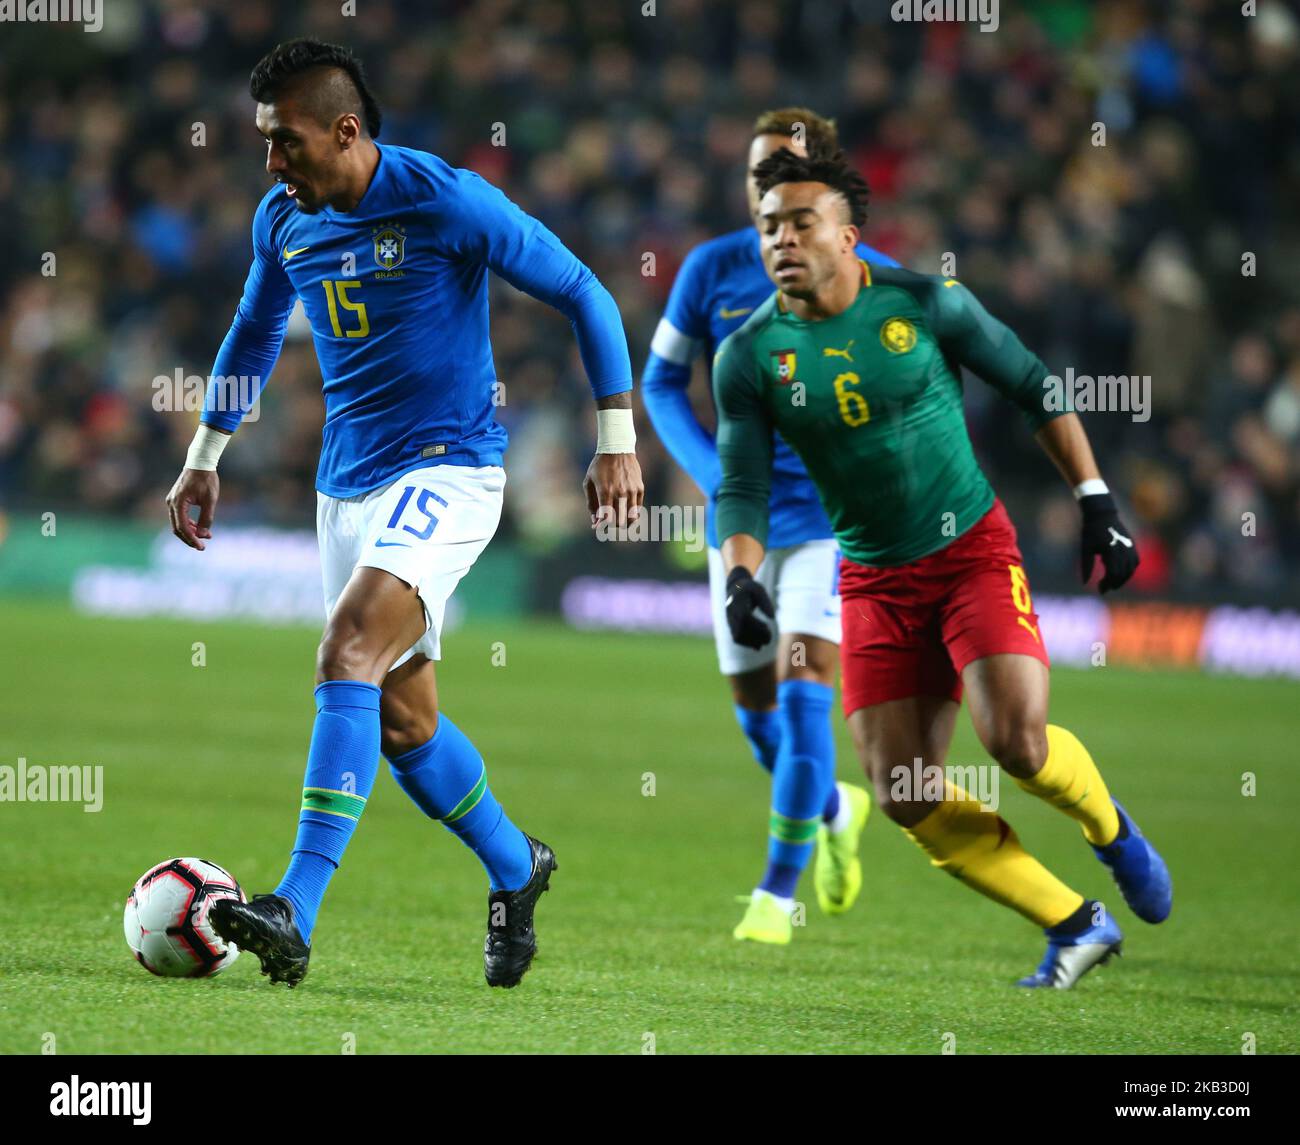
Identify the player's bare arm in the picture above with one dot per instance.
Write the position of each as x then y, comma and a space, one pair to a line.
742, 550
1065, 441
613, 482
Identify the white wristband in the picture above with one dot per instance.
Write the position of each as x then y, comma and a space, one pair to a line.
1089, 488
614, 431
206, 448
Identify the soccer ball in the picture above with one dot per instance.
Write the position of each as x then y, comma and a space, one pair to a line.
166, 919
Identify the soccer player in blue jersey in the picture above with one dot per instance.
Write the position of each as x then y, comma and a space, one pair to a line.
388, 250
783, 692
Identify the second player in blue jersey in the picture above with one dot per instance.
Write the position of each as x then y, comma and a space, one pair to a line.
783, 692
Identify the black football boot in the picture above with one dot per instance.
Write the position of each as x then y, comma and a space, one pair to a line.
511, 943
264, 927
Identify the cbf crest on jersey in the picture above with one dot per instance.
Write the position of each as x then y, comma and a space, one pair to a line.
783, 363
390, 245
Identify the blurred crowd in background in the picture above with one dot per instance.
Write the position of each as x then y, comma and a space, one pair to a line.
1166, 249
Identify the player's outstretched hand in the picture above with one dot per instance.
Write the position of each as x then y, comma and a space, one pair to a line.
194, 487
1105, 536
614, 488
745, 597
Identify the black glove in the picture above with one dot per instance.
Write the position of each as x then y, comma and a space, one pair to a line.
1105, 536
745, 596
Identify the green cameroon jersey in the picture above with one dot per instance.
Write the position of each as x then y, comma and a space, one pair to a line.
871, 401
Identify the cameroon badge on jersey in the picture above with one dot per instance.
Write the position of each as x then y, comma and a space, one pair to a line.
783, 363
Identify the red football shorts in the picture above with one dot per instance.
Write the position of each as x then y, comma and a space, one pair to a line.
911, 629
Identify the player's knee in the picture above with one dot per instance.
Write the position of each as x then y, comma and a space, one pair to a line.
809, 658
345, 654
823, 674
904, 812
1019, 746
897, 799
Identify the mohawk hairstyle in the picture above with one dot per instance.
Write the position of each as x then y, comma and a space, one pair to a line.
820, 135
283, 66
785, 166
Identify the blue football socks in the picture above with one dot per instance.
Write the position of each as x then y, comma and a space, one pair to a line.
341, 767
447, 779
763, 730
802, 782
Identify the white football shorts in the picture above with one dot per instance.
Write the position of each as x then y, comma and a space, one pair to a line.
804, 584
427, 528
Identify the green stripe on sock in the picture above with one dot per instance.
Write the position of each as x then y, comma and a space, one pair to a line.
786, 830
466, 805
331, 802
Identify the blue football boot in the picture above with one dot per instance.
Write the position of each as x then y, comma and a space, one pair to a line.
1070, 957
1140, 872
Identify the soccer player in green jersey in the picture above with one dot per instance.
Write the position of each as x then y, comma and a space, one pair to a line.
859, 370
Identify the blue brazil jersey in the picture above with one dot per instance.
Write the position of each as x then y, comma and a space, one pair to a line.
396, 294
720, 284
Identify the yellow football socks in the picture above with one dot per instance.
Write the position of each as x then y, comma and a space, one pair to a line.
1070, 782
982, 850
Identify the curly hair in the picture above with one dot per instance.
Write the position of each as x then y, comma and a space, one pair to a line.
286, 63
784, 166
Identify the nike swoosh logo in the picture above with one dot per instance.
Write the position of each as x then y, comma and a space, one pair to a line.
1119, 537
288, 254
391, 545
725, 313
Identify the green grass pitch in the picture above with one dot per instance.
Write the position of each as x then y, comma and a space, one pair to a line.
635, 936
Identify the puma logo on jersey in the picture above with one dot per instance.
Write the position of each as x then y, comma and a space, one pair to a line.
724, 313
1118, 537
831, 352
288, 254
